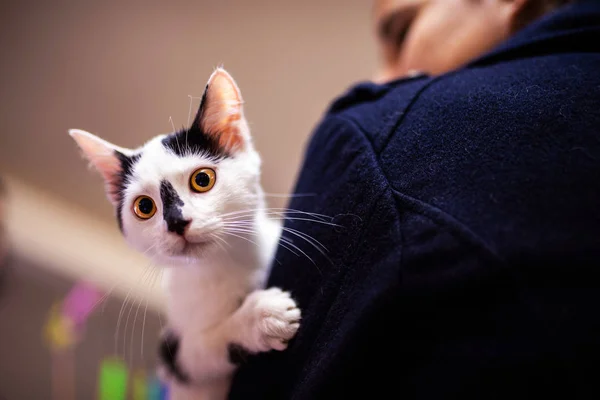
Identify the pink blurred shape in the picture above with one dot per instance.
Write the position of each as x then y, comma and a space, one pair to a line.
80, 302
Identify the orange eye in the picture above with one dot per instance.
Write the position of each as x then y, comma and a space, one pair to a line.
202, 180
144, 207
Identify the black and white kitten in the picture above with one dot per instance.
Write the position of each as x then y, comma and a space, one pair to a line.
193, 202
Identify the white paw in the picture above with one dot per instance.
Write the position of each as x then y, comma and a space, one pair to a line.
274, 319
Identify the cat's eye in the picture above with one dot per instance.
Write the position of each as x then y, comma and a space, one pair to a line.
144, 207
202, 180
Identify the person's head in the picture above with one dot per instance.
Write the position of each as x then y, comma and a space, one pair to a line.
437, 36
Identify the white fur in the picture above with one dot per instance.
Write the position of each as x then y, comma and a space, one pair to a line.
214, 278
206, 284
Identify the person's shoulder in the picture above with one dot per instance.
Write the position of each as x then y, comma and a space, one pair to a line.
531, 94
564, 72
485, 144
368, 107
524, 88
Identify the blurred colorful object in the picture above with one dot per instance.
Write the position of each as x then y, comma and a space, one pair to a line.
113, 378
80, 302
140, 388
112, 382
157, 390
59, 329
63, 330
67, 318
61, 337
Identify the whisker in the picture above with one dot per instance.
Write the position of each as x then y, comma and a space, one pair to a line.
119, 320
174, 131
105, 296
217, 237
311, 220
133, 331
242, 226
318, 221
145, 280
189, 116
132, 304
285, 244
105, 301
289, 243
289, 195
314, 242
160, 277
277, 210
241, 237
143, 328
241, 229
150, 248
121, 311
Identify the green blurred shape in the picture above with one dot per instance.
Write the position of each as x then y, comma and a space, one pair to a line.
112, 382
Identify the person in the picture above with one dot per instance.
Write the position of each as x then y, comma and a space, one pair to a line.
436, 37
463, 245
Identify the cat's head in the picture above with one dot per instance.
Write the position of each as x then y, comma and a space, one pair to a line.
174, 195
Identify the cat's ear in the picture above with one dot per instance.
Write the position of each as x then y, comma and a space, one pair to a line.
106, 159
221, 113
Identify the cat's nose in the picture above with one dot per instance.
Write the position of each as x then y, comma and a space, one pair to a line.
177, 225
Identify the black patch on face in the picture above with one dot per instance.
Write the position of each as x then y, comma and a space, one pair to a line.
167, 351
194, 140
237, 354
172, 208
127, 164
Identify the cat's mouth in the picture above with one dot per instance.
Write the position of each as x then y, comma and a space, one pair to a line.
191, 245
194, 247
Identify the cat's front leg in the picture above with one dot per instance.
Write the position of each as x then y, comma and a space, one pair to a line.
266, 320
198, 370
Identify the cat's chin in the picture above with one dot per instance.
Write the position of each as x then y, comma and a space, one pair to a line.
196, 250
188, 253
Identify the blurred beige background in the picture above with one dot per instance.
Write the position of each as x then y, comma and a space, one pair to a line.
122, 69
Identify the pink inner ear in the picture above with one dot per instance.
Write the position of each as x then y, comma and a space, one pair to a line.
111, 174
222, 112
102, 156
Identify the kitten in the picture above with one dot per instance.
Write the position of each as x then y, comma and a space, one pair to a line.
192, 200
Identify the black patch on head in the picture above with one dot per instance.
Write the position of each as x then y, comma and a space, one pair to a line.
201, 109
194, 140
167, 351
237, 354
127, 163
172, 208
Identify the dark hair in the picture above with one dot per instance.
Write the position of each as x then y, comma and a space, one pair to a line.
533, 9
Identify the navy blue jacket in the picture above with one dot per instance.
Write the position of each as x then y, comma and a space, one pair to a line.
467, 260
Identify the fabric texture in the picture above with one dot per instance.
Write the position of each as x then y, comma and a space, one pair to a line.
466, 248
